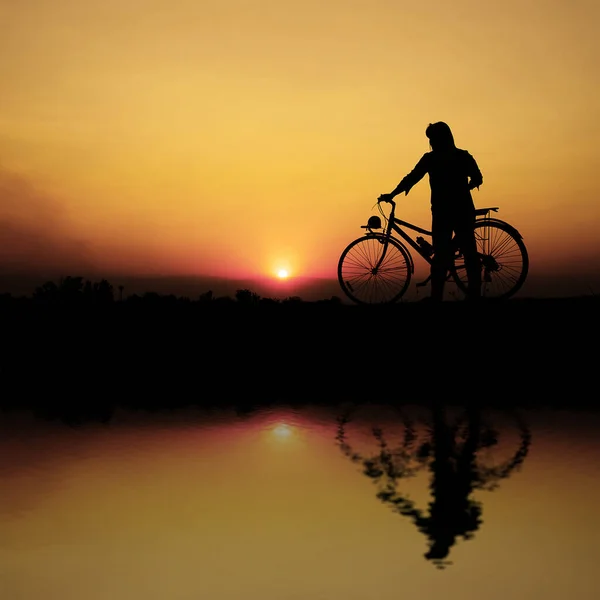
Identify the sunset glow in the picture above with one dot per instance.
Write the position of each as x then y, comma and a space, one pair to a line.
282, 274
282, 430
206, 138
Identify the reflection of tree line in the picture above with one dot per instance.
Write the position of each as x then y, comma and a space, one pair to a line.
452, 453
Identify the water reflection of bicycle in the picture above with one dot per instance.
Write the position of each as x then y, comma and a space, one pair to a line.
463, 453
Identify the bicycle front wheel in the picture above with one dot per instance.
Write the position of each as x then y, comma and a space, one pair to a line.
504, 260
363, 281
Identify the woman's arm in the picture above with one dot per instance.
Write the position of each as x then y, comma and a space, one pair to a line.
414, 176
420, 170
475, 176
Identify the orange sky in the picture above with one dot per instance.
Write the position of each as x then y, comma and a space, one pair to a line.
229, 137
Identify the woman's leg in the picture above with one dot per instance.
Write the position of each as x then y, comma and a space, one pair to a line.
465, 235
441, 235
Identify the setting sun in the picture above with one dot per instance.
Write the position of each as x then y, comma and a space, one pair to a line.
282, 430
282, 274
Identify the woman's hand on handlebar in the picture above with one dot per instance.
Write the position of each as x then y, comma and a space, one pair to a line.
386, 198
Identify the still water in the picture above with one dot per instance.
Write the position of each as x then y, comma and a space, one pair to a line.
349, 503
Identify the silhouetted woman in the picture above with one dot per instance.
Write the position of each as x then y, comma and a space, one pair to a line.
453, 173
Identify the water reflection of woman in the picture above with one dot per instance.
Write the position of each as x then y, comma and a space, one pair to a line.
450, 451
452, 512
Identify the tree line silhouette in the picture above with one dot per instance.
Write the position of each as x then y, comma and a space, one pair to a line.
73, 291
78, 291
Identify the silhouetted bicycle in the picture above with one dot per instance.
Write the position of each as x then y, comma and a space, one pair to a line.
377, 267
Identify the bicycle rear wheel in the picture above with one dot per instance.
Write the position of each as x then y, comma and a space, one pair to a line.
365, 283
504, 260
504, 440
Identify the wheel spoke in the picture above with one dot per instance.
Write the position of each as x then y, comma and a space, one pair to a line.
364, 281
505, 262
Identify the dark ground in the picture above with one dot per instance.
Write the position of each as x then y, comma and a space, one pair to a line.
85, 360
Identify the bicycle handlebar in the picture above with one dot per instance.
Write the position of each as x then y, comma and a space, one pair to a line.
390, 201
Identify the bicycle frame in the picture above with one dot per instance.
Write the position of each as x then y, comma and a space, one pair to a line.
378, 266
395, 225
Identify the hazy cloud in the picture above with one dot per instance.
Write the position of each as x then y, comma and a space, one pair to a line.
35, 234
